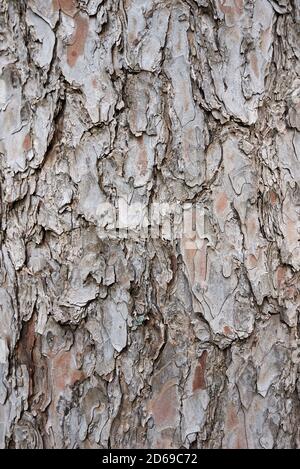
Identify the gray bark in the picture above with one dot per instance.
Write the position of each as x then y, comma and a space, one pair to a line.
119, 340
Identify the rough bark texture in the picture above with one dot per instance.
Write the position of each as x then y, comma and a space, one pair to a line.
149, 342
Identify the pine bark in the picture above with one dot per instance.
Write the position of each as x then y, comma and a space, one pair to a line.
143, 341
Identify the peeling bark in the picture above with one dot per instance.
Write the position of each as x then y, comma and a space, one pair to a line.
132, 340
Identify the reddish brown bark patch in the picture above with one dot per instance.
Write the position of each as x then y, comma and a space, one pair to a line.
76, 48
163, 406
199, 377
55, 5
252, 261
27, 143
221, 202
234, 431
252, 227
273, 197
232, 7
65, 372
232, 418
69, 7
227, 330
292, 232
281, 273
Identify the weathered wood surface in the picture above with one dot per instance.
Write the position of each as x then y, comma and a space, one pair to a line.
149, 343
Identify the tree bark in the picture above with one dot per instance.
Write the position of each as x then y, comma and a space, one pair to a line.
123, 332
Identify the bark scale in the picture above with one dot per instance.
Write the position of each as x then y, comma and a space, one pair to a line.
149, 341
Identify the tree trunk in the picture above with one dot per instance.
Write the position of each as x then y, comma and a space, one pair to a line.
150, 255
